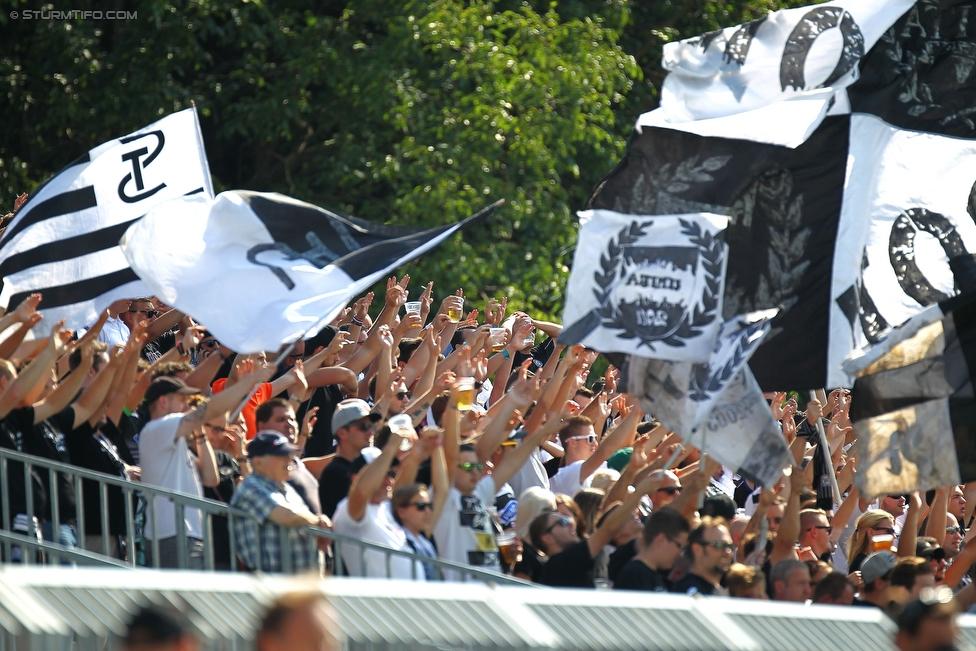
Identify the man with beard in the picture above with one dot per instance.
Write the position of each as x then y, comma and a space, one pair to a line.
711, 555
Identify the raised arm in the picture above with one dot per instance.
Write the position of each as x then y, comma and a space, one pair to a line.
909, 533
66, 390
94, 394
622, 435
36, 372
789, 530
616, 520
224, 402
371, 478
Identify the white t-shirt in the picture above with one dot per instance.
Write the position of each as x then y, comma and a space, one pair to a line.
568, 481
465, 532
114, 332
169, 464
377, 526
532, 473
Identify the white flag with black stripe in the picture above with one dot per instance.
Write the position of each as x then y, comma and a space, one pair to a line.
261, 269
64, 242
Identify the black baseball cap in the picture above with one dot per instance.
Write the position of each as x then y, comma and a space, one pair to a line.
269, 443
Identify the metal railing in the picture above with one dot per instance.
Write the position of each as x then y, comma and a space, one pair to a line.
29, 543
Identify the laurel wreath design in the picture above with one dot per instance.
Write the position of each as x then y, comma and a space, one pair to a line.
703, 384
710, 248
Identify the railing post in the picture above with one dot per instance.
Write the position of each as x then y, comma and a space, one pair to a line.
29, 497
130, 526
5, 503
55, 501
233, 542
208, 546
79, 511
181, 558
103, 502
155, 538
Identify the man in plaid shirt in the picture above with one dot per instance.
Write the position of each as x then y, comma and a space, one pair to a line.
274, 507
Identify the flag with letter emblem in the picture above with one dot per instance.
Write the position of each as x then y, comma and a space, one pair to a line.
64, 242
282, 268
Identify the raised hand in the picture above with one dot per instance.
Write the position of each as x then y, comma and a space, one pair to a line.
777, 405
308, 423
396, 292
27, 309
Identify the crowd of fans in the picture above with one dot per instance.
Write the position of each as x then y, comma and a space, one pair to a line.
472, 438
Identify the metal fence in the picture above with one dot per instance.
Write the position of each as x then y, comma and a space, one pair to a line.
28, 546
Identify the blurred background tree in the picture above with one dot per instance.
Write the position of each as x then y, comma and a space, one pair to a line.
417, 114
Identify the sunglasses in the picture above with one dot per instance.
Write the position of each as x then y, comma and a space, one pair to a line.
680, 547
590, 438
954, 529
362, 426
468, 466
720, 545
403, 395
422, 506
561, 522
827, 529
887, 530
670, 490
209, 343
150, 314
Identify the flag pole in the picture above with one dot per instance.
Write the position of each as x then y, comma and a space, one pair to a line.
825, 448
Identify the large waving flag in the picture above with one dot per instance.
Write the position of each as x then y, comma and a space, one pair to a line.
717, 405
261, 270
844, 162
64, 242
913, 405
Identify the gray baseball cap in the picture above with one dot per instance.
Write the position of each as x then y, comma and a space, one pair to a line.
351, 410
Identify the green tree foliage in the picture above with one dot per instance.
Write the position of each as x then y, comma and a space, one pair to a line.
416, 115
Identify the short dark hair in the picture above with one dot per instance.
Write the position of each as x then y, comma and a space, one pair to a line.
275, 619
155, 625
583, 391
664, 521
74, 359
572, 424
833, 585
467, 447
407, 347
265, 410
908, 569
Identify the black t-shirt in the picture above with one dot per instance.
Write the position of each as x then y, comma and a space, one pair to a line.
334, 484
531, 563
123, 437
15, 429
96, 452
49, 440
692, 584
228, 470
620, 557
159, 346
552, 466
635, 575
320, 443
307, 488
570, 568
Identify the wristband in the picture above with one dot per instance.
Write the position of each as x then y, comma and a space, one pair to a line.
240, 458
506, 354
357, 322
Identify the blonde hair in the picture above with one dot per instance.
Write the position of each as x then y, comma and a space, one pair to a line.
7, 370
858, 544
532, 503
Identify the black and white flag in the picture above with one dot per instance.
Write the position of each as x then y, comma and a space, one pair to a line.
773, 58
262, 269
913, 405
851, 222
64, 242
716, 406
647, 286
